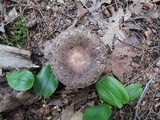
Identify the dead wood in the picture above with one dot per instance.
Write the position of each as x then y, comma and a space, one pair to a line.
14, 58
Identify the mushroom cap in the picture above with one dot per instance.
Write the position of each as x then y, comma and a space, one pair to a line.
77, 57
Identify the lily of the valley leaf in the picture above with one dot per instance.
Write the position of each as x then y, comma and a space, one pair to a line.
112, 91
134, 91
46, 83
20, 80
100, 112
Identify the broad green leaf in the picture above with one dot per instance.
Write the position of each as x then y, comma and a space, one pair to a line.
134, 91
108, 96
118, 87
112, 91
20, 80
46, 83
100, 112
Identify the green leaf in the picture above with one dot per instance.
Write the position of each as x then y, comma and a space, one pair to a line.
1, 118
134, 91
46, 83
112, 91
158, 22
100, 112
20, 80
108, 96
118, 87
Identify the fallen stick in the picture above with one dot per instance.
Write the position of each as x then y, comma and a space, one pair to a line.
143, 93
14, 58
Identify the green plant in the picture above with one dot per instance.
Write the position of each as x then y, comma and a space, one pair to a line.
18, 35
111, 91
44, 84
134, 91
97, 113
4, 39
158, 22
20, 80
1, 118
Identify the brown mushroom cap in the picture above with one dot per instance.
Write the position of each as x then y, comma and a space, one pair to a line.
77, 58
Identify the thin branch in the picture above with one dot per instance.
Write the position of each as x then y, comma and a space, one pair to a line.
144, 92
59, 19
144, 71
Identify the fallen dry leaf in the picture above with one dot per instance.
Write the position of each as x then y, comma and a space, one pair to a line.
132, 26
136, 8
83, 1
95, 7
77, 116
153, 13
113, 28
137, 1
105, 11
11, 15
120, 62
147, 5
2, 28
157, 95
94, 1
3, 8
92, 20
106, 1
127, 14
60, 1
69, 114
81, 11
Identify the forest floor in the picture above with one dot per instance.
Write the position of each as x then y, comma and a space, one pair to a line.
129, 28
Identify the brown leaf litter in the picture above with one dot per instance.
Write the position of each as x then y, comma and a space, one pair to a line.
131, 60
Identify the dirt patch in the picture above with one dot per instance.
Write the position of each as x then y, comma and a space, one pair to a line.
130, 31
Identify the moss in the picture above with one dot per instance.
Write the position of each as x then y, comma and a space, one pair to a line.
17, 36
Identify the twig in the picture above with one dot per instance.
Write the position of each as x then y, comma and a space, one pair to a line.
74, 23
129, 44
144, 71
77, 18
55, 28
15, 17
144, 92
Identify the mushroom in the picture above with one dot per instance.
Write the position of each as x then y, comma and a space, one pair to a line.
77, 57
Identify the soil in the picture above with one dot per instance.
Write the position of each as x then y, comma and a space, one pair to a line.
133, 60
